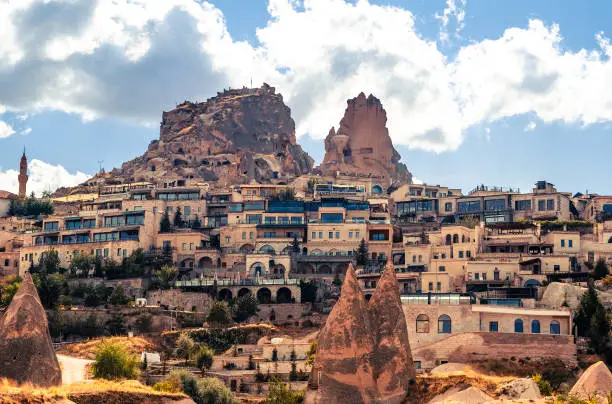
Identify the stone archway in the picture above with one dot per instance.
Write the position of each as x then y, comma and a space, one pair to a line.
305, 268
324, 269
258, 268
283, 295
243, 292
187, 263
264, 296
225, 294
267, 249
247, 248
341, 269
279, 269
205, 263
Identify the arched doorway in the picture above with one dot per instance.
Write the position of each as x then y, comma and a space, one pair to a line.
258, 268
324, 269
243, 292
341, 269
305, 268
279, 269
187, 263
247, 248
264, 296
224, 294
205, 263
283, 295
267, 249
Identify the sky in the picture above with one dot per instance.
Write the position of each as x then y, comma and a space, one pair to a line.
491, 92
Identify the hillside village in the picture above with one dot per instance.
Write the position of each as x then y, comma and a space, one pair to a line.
233, 258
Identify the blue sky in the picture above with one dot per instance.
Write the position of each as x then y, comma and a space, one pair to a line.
449, 128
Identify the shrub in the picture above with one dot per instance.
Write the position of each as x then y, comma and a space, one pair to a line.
118, 296
184, 347
213, 391
310, 355
187, 381
204, 358
169, 386
219, 315
112, 361
143, 322
544, 386
245, 307
280, 393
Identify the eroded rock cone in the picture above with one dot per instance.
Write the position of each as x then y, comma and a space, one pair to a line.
596, 380
342, 371
26, 352
392, 359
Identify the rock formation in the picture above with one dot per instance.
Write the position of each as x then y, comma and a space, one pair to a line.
362, 146
520, 389
235, 137
342, 371
394, 370
26, 352
596, 380
363, 353
471, 395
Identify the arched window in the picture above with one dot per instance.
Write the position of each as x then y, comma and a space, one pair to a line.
444, 324
535, 327
463, 238
555, 327
518, 325
455, 238
377, 189
267, 249
422, 324
448, 239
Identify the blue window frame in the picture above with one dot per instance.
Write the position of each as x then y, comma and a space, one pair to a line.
535, 327
555, 327
493, 326
444, 324
518, 325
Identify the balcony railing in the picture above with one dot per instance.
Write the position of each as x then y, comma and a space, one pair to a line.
230, 282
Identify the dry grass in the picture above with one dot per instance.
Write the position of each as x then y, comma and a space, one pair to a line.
262, 326
98, 391
87, 350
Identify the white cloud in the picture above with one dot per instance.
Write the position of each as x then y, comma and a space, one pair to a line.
455, 10
6, 130
26, 131
43, 177
530, 126
128, 60
415, 180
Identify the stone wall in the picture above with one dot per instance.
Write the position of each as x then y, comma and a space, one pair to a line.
189, 301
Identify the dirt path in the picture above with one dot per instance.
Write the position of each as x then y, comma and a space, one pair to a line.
73, 369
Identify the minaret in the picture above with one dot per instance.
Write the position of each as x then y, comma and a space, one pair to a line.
23, 175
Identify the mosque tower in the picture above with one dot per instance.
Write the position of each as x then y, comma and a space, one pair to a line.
23, 175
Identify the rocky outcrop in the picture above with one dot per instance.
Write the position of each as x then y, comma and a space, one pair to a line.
520, 389
363, 353
595, 381
557, 293
470, 395
362, 146
26, 352
343, 371
394, 370
235, 137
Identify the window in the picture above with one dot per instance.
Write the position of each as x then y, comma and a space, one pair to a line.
493, 326
167, 245
356, 234
228, 239
106, 252
331, 234
557, 268
438, 286
541, 205
550, 204
313, 235
522, 205
184, 246
320, 234
535, 327
518, 325
476, 276
51, 226
118, 252
73, 224
337, 234
443, 256
470, 206
484, 276
89, 223
253, 219
417, 364
444, 324
187, 210
555, 327
251, 235
570, 243
460, 254
430, 285
114, 236
270, 220
244, 235
562, 243
448, 207
420, 259
495, 204
331, 217
132, 220
283, 219
442, 268
350, 234
269, 234
422, 324
468, 254
191, 246
296, 220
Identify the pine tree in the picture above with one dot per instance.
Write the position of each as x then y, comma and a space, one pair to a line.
164, 225
362, 253
178, 218
295, 245
591, 319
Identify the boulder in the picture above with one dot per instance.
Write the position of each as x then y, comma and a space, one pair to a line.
343, 370
26, 351
520, 389
394, 370
596, 380
470, 395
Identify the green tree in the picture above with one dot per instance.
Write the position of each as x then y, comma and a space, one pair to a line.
166, 275
118, 297
112, 361
49, 262
178, 218
601, 269
9, 290
362, 253
251, 365
49, 288
295, 245
116, 324
245, 307
310, 355
143, 322
164, 224
591, 319
293, 375
81, 262
308, 291
203, 358
197, 223
219, 315
184, 347
212, 391
280, 393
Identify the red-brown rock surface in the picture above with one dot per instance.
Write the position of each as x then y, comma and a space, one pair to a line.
342, 371
362, 145
595, 381
394, 370
232, 138
26, 352
363, 353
